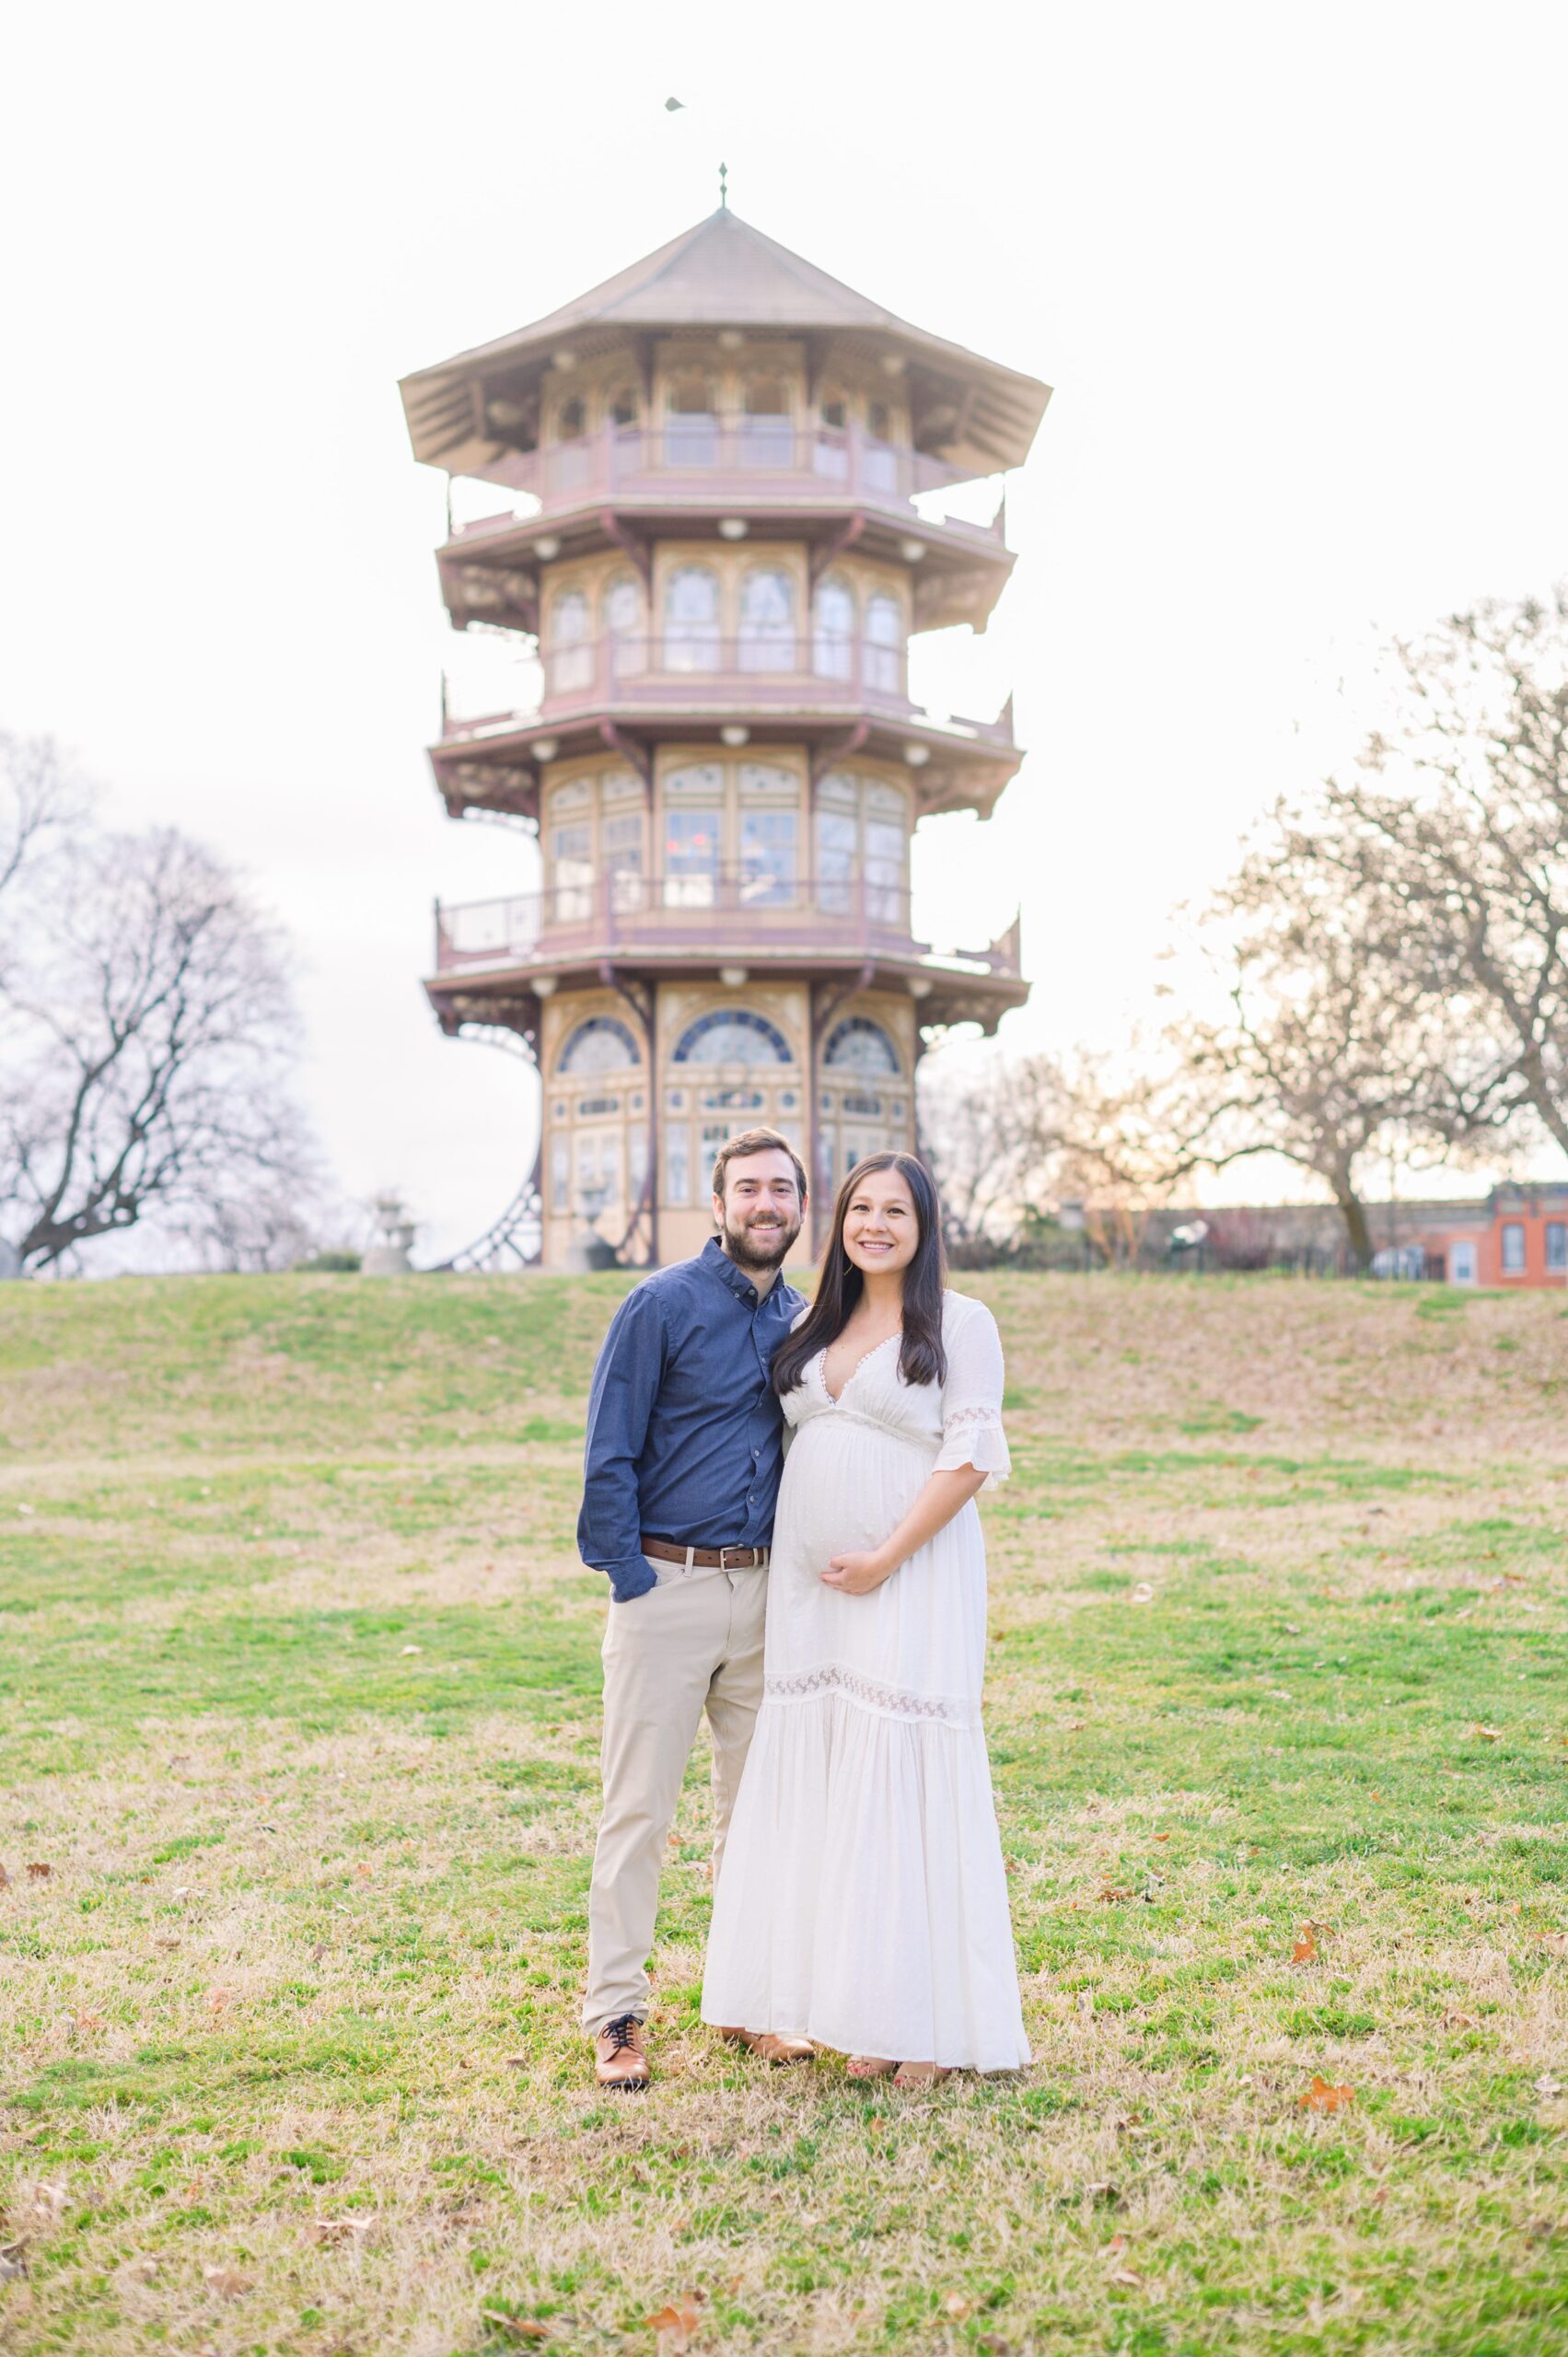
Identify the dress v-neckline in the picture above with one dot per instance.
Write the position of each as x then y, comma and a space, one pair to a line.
864, 1359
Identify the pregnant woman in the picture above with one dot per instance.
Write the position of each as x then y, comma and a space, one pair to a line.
863, 1901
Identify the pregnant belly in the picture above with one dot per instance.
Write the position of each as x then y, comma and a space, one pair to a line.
846, 1487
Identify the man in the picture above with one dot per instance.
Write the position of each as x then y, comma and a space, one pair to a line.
684, 1451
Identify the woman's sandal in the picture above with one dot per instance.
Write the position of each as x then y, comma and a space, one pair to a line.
913, 2077
869, 2066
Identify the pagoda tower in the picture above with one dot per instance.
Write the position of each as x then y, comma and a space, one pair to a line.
718, 478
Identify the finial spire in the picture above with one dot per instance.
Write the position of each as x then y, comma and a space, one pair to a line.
724, 188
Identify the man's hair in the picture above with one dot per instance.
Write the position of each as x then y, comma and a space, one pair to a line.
755, 1142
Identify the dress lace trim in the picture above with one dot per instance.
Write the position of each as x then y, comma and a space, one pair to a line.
973, 1435
820, 1364
888, 1701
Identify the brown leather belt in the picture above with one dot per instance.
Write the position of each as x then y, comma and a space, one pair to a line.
725, 1559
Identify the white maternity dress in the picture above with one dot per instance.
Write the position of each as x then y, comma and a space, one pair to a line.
863, 1901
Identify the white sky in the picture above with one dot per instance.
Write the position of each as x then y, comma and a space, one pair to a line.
1296, 275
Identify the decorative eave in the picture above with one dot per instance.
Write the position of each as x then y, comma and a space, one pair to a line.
723, 273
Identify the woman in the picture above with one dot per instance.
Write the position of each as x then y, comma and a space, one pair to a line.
863, 1901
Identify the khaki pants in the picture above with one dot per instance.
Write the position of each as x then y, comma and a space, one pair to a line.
691, 1644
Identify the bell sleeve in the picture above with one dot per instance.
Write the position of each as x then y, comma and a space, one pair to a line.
971, 1398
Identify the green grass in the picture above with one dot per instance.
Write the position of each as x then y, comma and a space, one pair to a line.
298, 1705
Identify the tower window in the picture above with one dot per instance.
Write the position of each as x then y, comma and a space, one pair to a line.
884, 645
691, 620
767, 428
691, 426
733, 1035
832, 649
859, 1045
767, 621
602, 1044
570, 662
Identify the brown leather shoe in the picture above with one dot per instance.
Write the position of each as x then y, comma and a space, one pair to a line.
619, 2060
770, 2047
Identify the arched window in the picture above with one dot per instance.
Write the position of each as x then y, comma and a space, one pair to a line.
623, 408
884, 824
767, 425
767, 621
623, 626
570, 661
602, 1044
733, 1035
770, 819
691, 620
693, 833
884, 645
859, 1045
832, 646
572, 419
691, 426
622, 828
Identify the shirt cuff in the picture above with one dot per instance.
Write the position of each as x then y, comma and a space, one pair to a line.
629, 1579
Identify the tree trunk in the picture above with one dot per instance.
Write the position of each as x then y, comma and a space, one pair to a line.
1357, 1233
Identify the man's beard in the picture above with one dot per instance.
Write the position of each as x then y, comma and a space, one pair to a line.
766, 1250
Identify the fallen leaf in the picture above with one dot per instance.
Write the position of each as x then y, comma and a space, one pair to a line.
956, 2306
27, 1509
1547, 2086
318, 1951
1109, 1897
679, 2323
228, 2282
39, 1871
1321, 2097
338, 2230
515, 2328
4, 1879
1127, 2278
166, 1942
1487, 1735
1305, 1947
1453, 2020
363, 1873
1104, 2192
90, 2020
218, 2001
1143, 1593
144, 2270
412, 1649
1162, 1837
516, 2061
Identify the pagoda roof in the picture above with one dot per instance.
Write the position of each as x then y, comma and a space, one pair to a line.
723, 272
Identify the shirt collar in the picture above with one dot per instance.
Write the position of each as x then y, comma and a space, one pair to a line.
714, 1258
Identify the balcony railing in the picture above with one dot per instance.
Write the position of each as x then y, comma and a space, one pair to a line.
708, 455
692, 668
755, 911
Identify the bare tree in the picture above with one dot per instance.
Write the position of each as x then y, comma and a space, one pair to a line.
146, 1056
1452, 838
991, 1128
1333, 1053
42, 802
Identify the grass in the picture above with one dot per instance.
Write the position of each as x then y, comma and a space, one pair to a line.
298, 1695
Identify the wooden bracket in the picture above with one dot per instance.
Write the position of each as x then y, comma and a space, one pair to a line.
829, 554
840, 750
612, 735
628, 543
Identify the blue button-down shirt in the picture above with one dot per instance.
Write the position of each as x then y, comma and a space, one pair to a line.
685, 1436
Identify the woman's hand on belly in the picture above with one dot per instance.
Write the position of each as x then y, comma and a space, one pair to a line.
857, 1574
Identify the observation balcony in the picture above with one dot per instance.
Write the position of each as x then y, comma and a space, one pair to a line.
753, 915
690, 675
714, 459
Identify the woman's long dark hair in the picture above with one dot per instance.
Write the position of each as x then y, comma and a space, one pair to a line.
922, 1358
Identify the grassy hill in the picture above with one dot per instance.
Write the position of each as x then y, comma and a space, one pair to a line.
298, 1720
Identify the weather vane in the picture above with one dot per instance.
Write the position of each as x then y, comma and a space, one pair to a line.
724, 194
